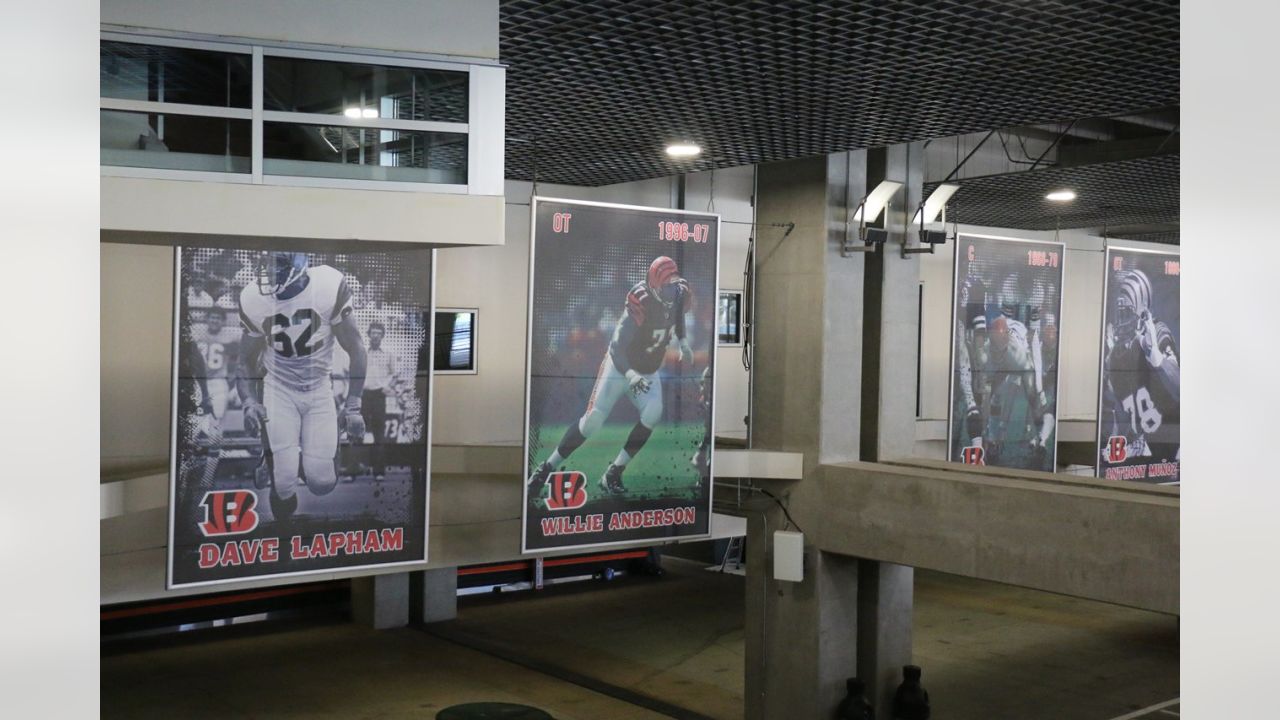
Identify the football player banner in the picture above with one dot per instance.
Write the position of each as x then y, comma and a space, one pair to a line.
1006, 307
1140, 380
621, 355
301, 412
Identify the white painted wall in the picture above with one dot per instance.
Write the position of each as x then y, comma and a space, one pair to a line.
488, 408
444, 27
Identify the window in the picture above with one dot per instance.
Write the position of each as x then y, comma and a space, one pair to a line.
729, 318
455, 346
250, 113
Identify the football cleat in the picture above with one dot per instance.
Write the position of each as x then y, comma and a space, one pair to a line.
611, 481
539, 479
282, 509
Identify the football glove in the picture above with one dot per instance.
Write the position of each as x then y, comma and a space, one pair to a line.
353, 423
686, 352
637, 383
973, 422
255, 417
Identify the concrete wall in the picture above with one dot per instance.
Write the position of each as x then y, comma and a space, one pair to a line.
445, 27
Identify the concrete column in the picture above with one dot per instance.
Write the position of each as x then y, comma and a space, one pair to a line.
885, 602
433, 595
381, 601
801, 637
891, 321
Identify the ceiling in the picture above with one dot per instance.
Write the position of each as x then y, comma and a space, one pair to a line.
596, 88
1130, 198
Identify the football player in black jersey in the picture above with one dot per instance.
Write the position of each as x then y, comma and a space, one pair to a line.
1143, 379
654, 315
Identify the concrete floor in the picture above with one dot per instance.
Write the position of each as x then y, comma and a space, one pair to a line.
989, 652
343, 672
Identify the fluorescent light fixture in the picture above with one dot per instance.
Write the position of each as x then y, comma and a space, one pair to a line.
934, 204
369, 113
1061, 196
352, 112
876, 201
680, 150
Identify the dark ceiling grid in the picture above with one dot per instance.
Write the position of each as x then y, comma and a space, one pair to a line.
601, 85
1132, 192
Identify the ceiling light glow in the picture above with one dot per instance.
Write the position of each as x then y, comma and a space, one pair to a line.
682, 150
369, 113
352, 112
1061, 196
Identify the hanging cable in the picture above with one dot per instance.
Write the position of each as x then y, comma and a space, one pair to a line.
790, 521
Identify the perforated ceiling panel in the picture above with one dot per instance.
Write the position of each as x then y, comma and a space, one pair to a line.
599, 86
1132, 192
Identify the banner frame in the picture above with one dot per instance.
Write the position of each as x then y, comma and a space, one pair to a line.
528, 385
951, 351
331, 573
1102, 345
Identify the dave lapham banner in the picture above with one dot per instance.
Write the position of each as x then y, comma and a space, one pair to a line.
1139, 399
301, 401
1004, 353
621, 370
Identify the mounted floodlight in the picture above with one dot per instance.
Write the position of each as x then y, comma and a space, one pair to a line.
875, 202
1061, 196
683, 150
933, 206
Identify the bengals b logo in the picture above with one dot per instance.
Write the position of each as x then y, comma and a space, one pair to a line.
229, 512
1116, 452
972, 456
566, 490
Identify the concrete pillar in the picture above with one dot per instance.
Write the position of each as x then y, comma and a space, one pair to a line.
890, 349
433, 595
381, 601
834, 378
885, 602
801, 637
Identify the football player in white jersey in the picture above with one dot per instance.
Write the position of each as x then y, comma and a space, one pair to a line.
218, 345
292, 314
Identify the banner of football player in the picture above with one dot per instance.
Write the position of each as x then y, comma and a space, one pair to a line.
622, 309
301, 401
1138, 390
1004, 353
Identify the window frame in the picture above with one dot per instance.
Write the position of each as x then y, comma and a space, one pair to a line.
475, 340
738, 342
484, 126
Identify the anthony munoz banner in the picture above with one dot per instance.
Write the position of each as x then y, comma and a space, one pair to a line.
1004, 353
1139, 388
301, 402
622, 304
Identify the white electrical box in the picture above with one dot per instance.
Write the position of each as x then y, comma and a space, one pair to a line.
788, 556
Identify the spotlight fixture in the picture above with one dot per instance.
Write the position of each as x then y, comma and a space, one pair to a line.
933, 207
1061, 196
869, 211
683, 150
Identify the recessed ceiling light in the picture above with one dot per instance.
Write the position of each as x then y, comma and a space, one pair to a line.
352, 112
681, 150
1061, 196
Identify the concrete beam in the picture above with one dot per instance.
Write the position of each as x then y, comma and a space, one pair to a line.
1075, 536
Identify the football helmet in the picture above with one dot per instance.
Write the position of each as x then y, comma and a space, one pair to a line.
664, 280
278, 270
1131, 300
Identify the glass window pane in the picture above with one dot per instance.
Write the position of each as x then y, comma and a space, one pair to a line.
181, 142
455, 340
729, 318
335, 88
364, 153
130, 71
